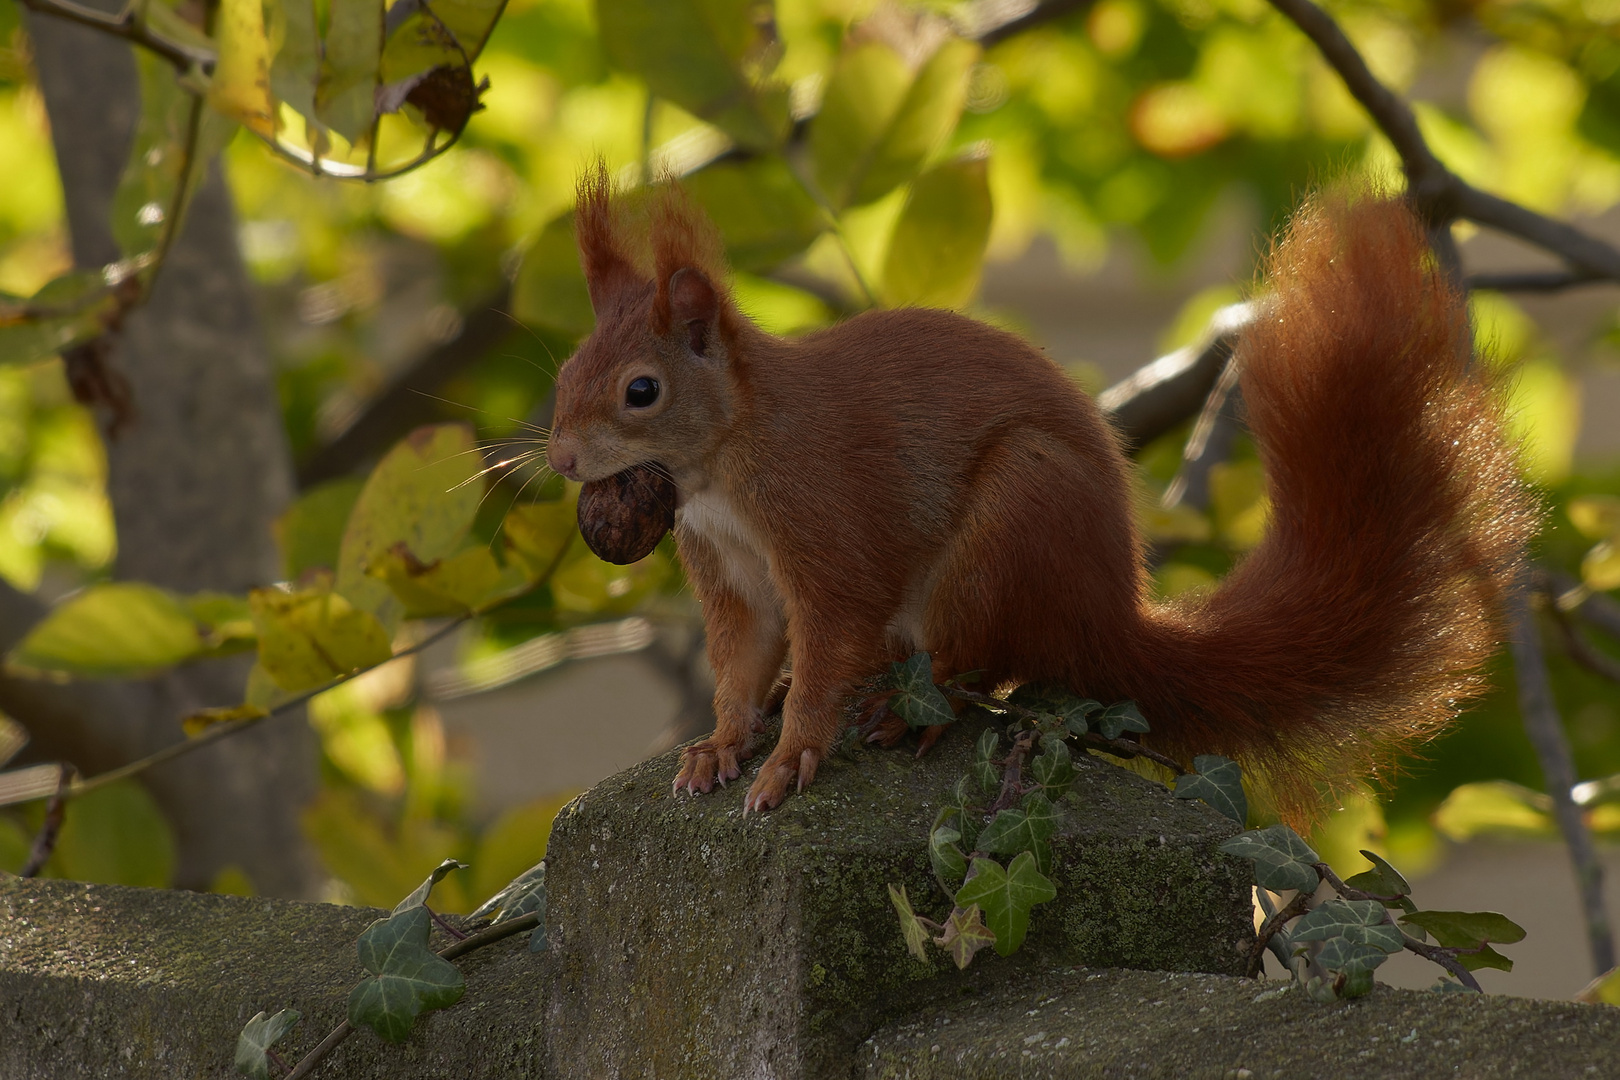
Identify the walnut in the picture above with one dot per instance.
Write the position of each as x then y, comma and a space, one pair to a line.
623, 517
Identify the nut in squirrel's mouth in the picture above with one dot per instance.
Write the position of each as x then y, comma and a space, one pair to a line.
623, 517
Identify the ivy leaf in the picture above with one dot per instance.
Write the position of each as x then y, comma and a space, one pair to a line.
1022, 828
419, 895
1486, 957
946, 858
1281, 859
1356, 934
1007, 897
1382, 880
1466, 929
1219, 782
1058, 700
1053, 767
1119, 718
911, 927
258, 1037
965, 934
523, 894
984, 766
408, 977
965, 800
120, 630
916, 699
1358, 982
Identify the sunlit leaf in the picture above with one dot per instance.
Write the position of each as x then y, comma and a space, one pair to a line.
424, 494
196, 723
707, 56
550, 287
763, 213
1007, 897
1596, 516
539, 533
408, 977
310, 531
457, 585
937, 249
67, 311
879, 121
118, 630
1600, 568
310, 636
240, 86
260, 1036
1495, 807
351, 55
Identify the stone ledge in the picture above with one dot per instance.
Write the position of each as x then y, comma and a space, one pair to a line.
1084, 1024
104, 981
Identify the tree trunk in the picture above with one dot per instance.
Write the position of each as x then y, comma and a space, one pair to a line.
195, 483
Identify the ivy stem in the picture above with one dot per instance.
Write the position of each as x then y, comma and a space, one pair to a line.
1123, 748
1268, 929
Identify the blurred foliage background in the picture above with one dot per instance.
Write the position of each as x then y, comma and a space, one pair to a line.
852, 153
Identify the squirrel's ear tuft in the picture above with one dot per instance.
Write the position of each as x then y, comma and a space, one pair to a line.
608, 269
691, 265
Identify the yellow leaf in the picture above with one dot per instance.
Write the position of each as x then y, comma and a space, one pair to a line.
310, 637
1601, 567
1596, 516
1494, 807
240, 87
203, 719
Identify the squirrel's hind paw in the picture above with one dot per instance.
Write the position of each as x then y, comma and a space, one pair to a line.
770, 787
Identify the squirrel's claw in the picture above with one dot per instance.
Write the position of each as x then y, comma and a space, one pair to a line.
706, 763
781, 769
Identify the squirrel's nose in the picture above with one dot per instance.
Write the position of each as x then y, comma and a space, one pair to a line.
563, 457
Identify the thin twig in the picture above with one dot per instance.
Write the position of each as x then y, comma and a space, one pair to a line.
1268, 929
1439, 195
327, 1045
55, 814
1349, 892
125, 25
1582, 651
1531, 281
1571, 594
1546, 734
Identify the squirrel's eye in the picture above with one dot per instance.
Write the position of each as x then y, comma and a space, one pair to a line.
641, 392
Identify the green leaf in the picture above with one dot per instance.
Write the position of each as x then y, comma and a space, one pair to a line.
1281, 859
1382, 880
1020, 829
67, 311
311, 636
424, 64
1058, 700
120, 630
916, 699
879, 121
115, 835
1053, 767
964, 935
985, 770
1358, 922
1497, 808
310, 531
937, 249
419, 895
240, 85
762, 211
1358, 982
1486, 957
409, 978
1119, 718
525, 893
550, 288
1219, 782
709, 57
293, 70
258, 1037
349, 72
1007, 897
537, 533
911, 928
946, 858
463, 583
1466, 929
424, 494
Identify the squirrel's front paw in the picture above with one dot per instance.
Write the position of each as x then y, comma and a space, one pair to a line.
704, 763
770, 787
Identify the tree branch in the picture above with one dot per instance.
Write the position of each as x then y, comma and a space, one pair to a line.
1161, 394
125, 25
994, 30
1546, 733
1532, 281
1439, 195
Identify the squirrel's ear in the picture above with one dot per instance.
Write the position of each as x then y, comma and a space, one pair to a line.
607, 269
693, 306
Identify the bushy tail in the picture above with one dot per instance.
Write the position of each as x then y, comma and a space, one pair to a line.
1398, 516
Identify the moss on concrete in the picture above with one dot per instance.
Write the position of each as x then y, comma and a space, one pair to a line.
766, 945
1091, 1024
103, 981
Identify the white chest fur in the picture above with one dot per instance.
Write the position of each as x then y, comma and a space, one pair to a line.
711, 515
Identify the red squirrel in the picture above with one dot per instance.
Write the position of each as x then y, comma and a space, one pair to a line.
914, 479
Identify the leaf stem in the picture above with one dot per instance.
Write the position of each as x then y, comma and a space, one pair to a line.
1123, 748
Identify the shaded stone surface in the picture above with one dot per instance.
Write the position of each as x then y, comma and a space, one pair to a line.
104, 981
1095, 1024
766, 946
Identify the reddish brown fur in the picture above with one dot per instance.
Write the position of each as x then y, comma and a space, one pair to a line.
914, 479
